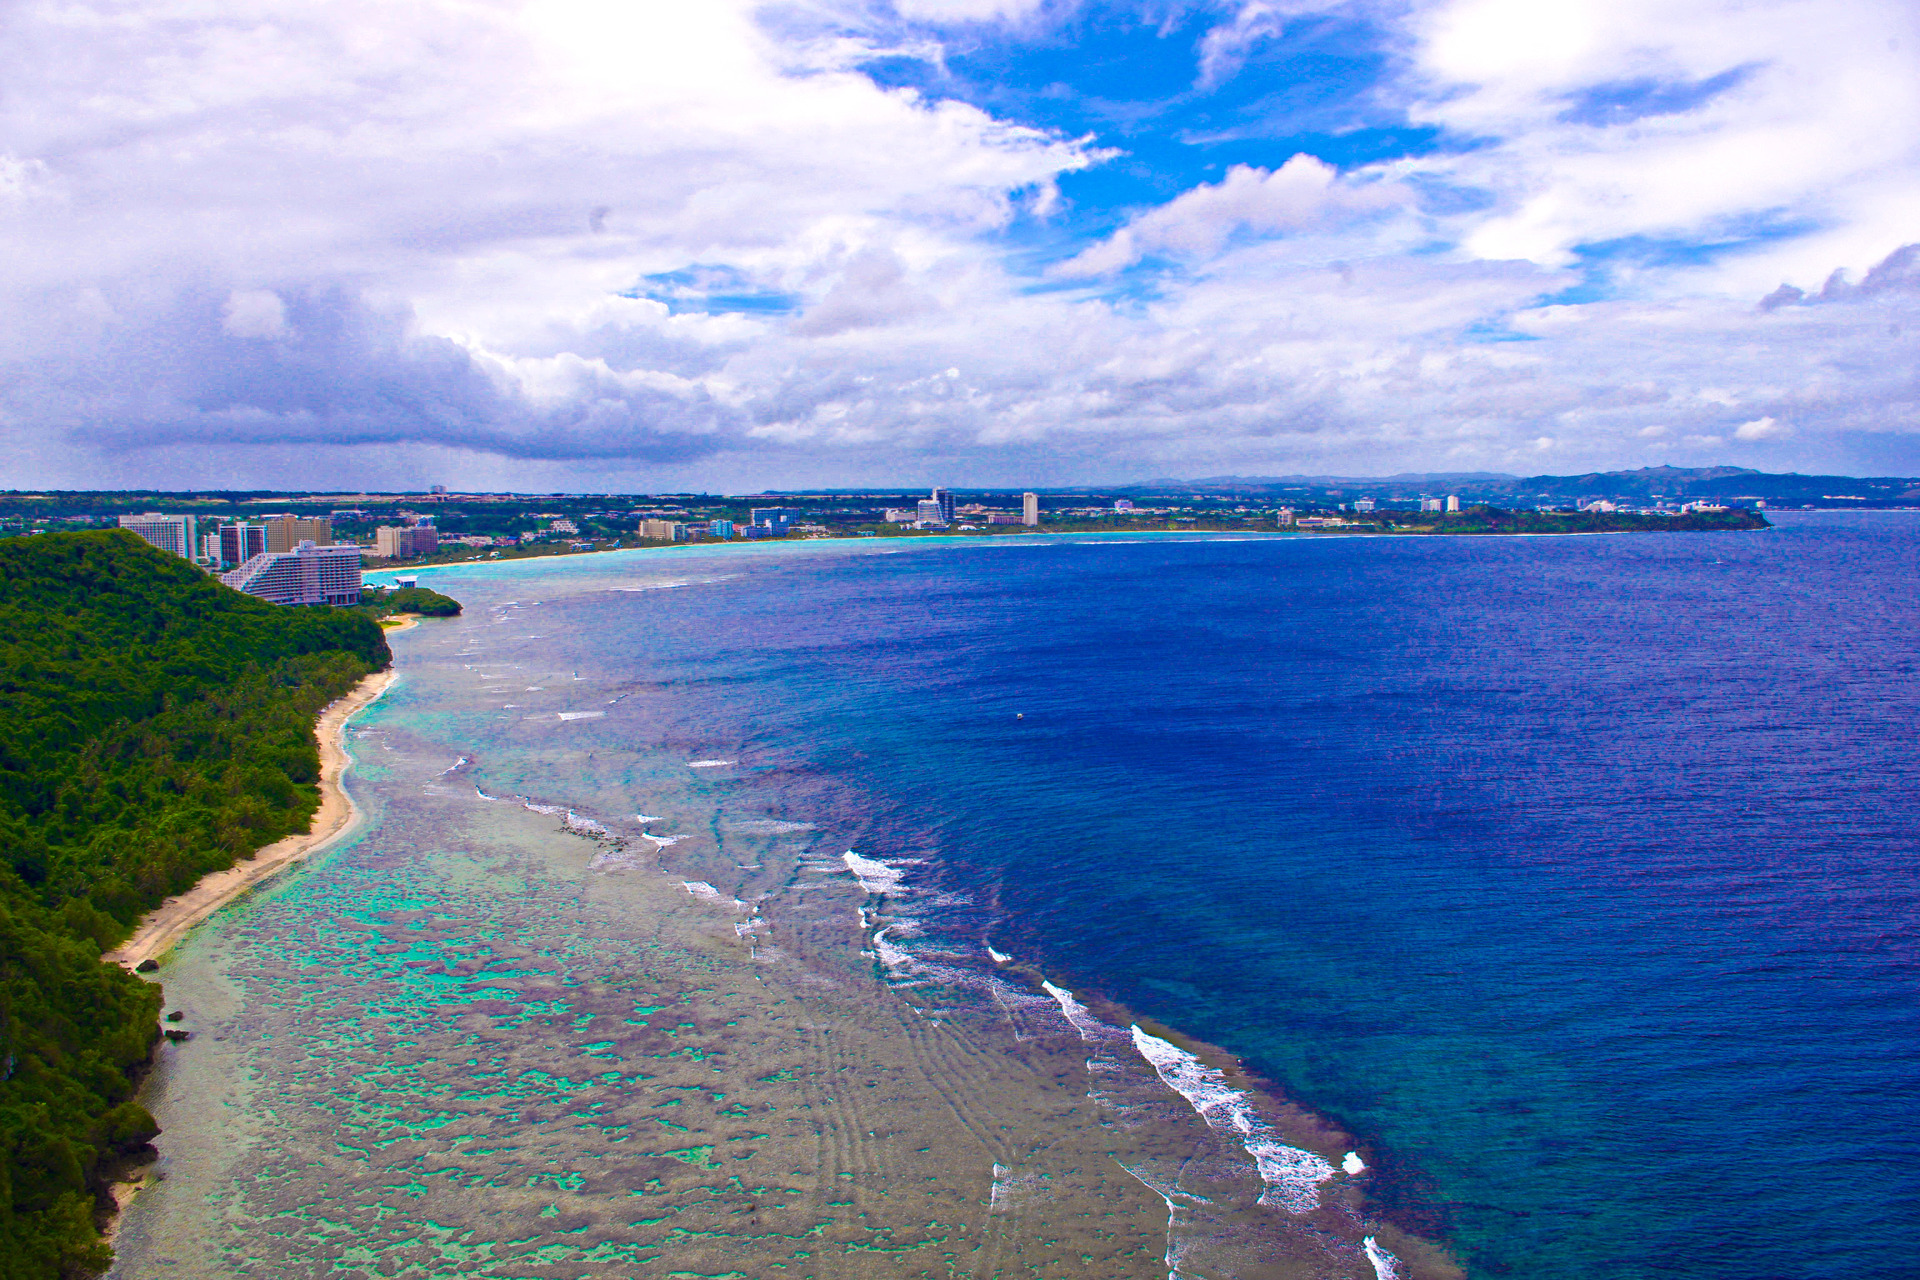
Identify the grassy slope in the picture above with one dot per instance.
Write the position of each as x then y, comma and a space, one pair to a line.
154, 726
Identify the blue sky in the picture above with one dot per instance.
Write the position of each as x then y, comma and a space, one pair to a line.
577, 244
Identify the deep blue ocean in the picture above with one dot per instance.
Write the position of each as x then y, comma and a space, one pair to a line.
1575, 876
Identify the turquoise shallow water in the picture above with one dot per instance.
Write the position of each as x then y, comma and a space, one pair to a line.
1575, 876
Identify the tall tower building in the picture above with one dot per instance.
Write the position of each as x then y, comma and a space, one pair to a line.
945, 498
1030, 510
1453, 502
241, 542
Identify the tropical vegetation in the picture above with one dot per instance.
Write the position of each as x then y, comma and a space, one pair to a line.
154, 726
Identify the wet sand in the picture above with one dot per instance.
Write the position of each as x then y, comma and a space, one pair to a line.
168, 923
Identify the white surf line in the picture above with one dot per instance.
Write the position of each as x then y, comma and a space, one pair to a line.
1385, 1265
1079, 1015
876, 877
1292, 1176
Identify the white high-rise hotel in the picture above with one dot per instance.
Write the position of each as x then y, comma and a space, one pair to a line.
169, 533
308, 574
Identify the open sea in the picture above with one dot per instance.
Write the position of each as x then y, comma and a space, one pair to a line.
1571, 881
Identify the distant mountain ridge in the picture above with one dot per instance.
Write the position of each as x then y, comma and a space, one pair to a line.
1644, 484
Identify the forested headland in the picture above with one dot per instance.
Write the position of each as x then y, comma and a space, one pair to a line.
155, 725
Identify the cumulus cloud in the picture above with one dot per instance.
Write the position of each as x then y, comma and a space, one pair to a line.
1303, 194
1604, 120
563, 245
1760, 429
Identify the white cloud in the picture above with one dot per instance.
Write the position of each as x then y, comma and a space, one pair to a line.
561, 245
1687, 119
254, 313
942, 11
1303, 194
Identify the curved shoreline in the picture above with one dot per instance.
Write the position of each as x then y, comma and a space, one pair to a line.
160, 929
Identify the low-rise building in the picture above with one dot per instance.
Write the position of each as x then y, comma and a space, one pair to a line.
776, 519
308, 574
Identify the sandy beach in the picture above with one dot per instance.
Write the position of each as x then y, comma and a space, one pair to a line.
170, 921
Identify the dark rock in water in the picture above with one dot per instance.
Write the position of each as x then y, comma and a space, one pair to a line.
146, 966
175, 1016
178, 1036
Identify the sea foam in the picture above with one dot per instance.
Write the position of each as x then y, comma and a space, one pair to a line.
875, 877
1078, 1014
1293, 1176
1385, 1265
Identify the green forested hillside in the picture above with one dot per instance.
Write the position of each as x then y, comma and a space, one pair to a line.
154, 726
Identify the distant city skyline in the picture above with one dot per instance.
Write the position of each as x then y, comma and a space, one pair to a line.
757, 244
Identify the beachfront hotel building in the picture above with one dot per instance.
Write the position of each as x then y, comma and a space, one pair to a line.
308, 574
1030, 509
174, 534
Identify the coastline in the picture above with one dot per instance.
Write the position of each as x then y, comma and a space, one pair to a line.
160, 929
1290, 533
951, 1092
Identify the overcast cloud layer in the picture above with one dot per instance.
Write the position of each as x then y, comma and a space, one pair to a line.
727, 245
